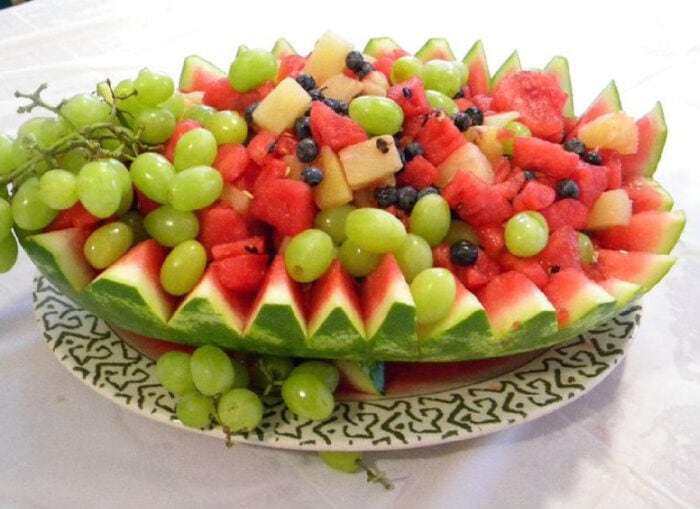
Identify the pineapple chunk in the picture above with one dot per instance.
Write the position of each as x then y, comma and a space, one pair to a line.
486, 138
612, 208
468, 157
281, 107
333, 191
327, 57
375, 83
369, 161
341, 87
615, 130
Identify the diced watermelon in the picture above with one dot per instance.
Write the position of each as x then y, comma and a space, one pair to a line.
251, 245
331, 129
492, 239
181, 128
290, 66
288, 205
221, 95
439, 137
419, 173
261, 145
271, 169
476, 202
529, 267
144, 204
75, 217
220, 224
410, 95
652, 231
511, 185
534, 196
242, 273
562, 250
530, 153
478, 275
591, 181
538, 98
232, 161
566, 211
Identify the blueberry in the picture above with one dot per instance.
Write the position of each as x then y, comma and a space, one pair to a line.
316, 95
340, 107
248, 113
408, 196
592, 157
464, 253
365, 70
312, 175
307, 150
354, 61
462, 121
574, 145
413, 149
386, 196
301, 128
529, 175
567, 188
475, 114
306, 81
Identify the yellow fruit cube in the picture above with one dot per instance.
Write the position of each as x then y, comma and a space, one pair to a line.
616, 130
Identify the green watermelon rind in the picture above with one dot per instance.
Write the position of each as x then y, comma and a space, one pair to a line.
510, 65
378, 45
337, 333
435, 48
559, 66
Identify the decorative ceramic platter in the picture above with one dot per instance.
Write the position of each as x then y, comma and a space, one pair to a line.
540, 383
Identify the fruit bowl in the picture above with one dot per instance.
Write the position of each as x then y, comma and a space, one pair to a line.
361, 208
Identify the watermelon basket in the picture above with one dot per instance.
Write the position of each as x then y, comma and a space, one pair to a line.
410, 219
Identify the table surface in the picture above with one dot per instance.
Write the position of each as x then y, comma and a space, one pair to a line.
633, 441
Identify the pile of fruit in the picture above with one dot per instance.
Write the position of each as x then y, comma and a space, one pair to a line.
365, 206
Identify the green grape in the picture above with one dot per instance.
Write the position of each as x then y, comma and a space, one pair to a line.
28, 209
154, 125
58, 190
195, 410
135, 221
74, 159
173, 372
433, 291
308, 396
195, 148
24, 147
430, 218
586, 249
151, 173
374, 230
324, 371
405, 68
175, 105
227, 127
170, 227
348, 462
99, 188
377, 115
212, 370
414, 256
52, 130
7, 159
4, 192
526, 233
241, 378
183, 267
517, 129
125, 187
107, 244
357, 261
308, 255
459, 230
440, 101
6, 220
332, 221
125, 95
85, 110
8, 253
251, 68
195, 188
201, 113
152, 87
240, 410
269, 370
442, 76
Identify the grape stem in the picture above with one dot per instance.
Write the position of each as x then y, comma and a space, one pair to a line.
375, 476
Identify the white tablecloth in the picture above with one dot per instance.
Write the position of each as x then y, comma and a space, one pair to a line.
634, 441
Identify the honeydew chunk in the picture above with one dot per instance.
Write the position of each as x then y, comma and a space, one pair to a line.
341, 87
612, 208
368, 161
327, 57
469, 158
333, 191
615, 130
486, 138
282, 106
375, 83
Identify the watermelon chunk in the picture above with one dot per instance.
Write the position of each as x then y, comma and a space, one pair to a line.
479, 79
439, 137
531, 153
220, 224
242, 273
644, 269
651, 131
647, 194
539, 99
197, 73
333, 130
576, 298
288, 205
476, 202
410, 96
